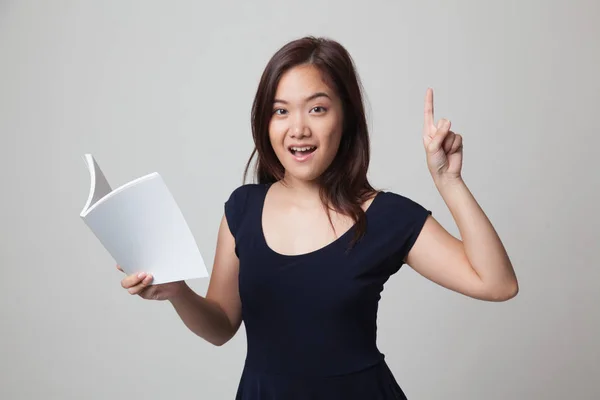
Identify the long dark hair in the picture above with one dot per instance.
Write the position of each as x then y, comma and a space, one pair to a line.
344, 186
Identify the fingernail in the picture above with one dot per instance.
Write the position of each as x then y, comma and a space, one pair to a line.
141, 274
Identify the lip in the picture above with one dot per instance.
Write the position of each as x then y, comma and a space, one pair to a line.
302, 158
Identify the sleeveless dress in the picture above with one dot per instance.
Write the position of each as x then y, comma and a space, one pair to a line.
310, 319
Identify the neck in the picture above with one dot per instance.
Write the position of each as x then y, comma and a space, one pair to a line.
301, 188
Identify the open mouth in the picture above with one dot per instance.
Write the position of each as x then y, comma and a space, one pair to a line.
302, 151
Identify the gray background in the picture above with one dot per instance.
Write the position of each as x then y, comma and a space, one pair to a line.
167, 86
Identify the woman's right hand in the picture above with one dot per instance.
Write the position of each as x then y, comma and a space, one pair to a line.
140, 284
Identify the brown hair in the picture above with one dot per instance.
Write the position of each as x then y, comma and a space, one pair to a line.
344, 186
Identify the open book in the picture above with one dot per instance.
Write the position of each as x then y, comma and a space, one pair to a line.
142, 227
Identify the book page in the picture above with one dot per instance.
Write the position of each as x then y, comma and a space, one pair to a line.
99, 186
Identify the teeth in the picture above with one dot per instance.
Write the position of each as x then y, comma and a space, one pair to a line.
302, 148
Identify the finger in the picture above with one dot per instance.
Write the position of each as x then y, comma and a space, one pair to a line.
443, 128
428, 123
449, 141
457, 145
132, 280
140, 286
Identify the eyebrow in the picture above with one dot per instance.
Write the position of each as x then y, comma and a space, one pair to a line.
309, 98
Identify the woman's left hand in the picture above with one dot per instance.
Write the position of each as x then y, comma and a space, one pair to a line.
443, 147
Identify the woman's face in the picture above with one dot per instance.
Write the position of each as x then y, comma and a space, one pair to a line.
306, 124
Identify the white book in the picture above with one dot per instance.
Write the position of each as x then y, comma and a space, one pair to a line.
142, 227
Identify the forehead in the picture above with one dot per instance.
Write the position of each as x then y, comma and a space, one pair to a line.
300, 82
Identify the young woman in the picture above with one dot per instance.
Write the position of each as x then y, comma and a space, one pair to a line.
302, 255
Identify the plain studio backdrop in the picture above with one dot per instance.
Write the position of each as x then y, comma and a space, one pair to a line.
167, 86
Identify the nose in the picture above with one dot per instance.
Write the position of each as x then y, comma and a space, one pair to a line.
299, 127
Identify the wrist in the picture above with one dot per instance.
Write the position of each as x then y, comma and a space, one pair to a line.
445, 181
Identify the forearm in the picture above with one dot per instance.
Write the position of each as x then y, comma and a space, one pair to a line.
482, 246
202, 316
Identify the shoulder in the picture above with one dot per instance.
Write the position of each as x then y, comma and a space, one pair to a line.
243, 192
240, 200
397, 221
400, 216
400, 205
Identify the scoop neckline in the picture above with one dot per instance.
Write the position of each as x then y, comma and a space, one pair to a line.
324, 248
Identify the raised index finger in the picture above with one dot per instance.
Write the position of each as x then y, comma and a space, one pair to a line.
429, 109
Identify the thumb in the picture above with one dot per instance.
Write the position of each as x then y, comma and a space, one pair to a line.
443, 128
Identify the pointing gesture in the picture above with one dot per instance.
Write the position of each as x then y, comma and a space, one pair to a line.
442, 146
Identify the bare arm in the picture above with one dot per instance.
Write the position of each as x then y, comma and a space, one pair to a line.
217, 316
478, 266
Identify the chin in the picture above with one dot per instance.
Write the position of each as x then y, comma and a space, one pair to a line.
298, 174
305, 169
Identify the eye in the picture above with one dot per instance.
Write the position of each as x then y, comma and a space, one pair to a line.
319, 109
279, 111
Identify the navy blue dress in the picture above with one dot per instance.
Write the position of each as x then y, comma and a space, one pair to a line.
310, 319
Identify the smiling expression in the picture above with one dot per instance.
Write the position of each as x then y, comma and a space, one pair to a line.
306, 123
